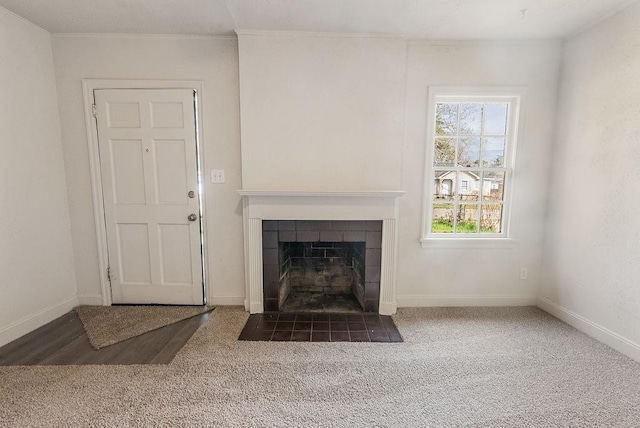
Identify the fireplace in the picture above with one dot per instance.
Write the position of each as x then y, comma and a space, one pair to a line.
321, 266
296, 217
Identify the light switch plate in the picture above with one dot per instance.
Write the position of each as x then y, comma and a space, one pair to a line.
217, 176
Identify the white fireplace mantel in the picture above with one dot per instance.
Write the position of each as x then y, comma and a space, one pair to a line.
259, 205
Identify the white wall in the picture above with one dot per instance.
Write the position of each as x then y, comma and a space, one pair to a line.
321, 111
212, 60
426, 276
317, 108
36, 260
324, 112
484, 274
592, 261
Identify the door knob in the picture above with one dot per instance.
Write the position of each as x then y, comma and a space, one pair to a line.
192, 217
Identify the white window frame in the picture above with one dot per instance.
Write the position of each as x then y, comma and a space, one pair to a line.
438, 94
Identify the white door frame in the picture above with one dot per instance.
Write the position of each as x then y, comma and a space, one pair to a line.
88, 86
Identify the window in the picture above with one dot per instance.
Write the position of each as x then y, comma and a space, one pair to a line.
471, 144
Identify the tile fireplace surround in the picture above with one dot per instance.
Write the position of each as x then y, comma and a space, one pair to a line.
259, 205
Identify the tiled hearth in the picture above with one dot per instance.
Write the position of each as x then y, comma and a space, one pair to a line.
320, 327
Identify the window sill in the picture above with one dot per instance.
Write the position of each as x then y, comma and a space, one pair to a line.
465, 243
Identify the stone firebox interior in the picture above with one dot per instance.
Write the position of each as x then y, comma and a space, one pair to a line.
321, 265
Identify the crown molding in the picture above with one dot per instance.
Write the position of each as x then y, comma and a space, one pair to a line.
484, 43
339, 35
143, 36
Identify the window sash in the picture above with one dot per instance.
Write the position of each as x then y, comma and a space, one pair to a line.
480, 96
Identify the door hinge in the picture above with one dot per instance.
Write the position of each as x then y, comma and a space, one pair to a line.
94, 110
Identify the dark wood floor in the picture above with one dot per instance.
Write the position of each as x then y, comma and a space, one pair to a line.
64, 342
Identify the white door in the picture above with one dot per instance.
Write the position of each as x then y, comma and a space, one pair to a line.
147, 140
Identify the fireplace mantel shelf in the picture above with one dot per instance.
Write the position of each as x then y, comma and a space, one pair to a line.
314, 193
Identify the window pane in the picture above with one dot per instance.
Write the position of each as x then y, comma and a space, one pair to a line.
445, 151
467, 218
470, 119
442, 218
472, 155
444, 184
468, 188
469, 151
493, 186
436, 196
493, 151
495, 119
491, 218
446, 119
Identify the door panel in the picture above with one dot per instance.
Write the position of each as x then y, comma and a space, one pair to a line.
176, 258
123, 115
171, 172
128, 171
134, 257
149, 165
167, 115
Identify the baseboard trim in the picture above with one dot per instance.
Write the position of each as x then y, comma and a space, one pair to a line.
31, 322
90, 299
595, 330
226, 300
435, 301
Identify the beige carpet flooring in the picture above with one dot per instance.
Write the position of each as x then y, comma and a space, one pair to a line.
481, 367
106, 325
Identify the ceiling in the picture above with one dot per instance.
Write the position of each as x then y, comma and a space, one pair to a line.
423, 19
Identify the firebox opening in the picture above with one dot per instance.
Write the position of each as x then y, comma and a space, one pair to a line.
321, 265
322, 276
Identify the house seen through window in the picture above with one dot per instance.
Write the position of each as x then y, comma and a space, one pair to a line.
470, 166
